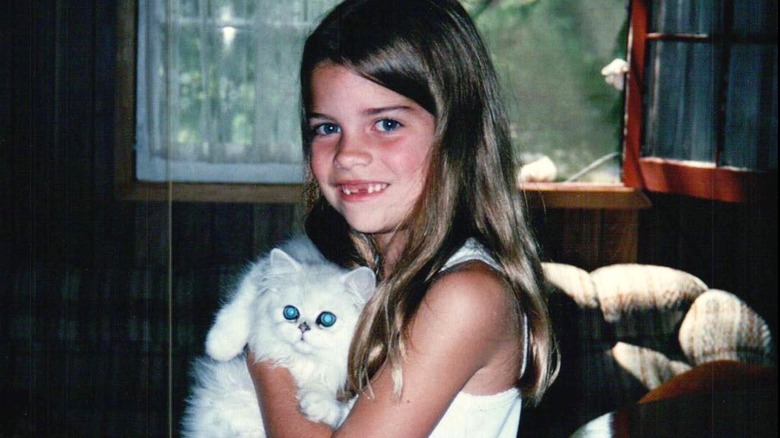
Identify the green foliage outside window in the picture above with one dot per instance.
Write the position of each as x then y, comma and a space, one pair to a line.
549, 55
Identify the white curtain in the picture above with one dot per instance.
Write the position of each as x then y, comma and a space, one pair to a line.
217, 97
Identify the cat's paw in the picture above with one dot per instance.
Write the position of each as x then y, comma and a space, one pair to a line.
222, 343
229, 334
322, 407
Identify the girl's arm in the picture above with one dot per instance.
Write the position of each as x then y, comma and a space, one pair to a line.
282, 415
460, 325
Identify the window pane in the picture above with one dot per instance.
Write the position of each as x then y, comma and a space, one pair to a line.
681, 116
187, 106
234, 107
549, 55
751, 110
751, 113
188, 8
756, 17
685, 16
277, 121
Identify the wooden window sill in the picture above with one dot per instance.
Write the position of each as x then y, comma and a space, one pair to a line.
200, 192
586, 196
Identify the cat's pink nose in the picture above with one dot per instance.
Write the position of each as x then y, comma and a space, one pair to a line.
304, 327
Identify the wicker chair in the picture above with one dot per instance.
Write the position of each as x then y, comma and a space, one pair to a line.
626, 329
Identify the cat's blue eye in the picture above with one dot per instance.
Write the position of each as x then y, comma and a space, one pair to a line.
326, 319
290, 313
387, 125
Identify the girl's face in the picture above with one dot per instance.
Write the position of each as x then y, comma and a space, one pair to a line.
370, 149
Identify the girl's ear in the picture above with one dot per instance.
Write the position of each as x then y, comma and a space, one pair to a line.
361, 282
280, 261
229, 334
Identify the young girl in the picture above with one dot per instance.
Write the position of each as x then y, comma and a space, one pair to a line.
411, 173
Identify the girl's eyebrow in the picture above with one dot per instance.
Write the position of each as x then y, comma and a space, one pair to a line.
365, 112
316, 116
375, 111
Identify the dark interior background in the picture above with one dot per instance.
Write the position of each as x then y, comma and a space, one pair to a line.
104, 302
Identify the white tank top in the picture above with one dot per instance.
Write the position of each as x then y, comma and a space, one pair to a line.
480, 416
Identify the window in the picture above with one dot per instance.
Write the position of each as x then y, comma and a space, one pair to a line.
702, 98
193, 100
217, 89
216, 98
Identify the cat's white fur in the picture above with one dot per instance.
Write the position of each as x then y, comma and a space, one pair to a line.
222, 401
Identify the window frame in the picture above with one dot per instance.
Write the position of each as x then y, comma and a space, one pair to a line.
697, 179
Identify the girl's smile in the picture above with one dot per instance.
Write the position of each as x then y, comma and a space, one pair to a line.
370, 148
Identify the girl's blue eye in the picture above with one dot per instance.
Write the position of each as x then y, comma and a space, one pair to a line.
327, 129
290, 313
326, 319
387, 125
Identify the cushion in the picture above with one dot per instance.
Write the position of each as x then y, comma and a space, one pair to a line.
573, 281
574, 307
650, 367
645, 301
721, 326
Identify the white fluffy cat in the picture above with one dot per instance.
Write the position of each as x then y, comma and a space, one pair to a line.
296, 309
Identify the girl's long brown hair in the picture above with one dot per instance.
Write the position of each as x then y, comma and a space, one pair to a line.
430, 52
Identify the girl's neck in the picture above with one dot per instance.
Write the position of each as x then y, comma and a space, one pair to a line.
389, 247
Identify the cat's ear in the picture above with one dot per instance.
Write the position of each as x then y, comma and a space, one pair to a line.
361, 281
282, 262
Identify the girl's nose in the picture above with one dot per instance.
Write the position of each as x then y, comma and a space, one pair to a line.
352, 151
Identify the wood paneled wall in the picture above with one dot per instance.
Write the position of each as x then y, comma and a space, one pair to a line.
82, 273
729, 246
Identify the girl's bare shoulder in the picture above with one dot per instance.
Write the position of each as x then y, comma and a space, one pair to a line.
473, 294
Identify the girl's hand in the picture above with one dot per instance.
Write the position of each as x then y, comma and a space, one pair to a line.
276, 394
